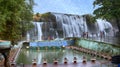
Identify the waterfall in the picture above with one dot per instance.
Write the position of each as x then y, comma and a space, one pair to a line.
28, 37
56, 34
39, 26
72, 26
35, 33
67, 25
105, 27
76, 26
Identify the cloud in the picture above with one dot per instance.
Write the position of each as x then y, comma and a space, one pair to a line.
64, 6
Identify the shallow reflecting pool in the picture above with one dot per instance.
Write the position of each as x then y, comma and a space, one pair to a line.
27, 55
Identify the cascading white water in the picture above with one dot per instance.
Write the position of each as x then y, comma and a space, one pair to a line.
75, 26
105, 27
69, 26
36, 32
56, 34
72, 26
39, 26
28, 37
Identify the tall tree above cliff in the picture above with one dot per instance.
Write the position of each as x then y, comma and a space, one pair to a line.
15, 17
36, 17
108, 9
90, 18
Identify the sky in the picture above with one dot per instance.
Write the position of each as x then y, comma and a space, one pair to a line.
78, 7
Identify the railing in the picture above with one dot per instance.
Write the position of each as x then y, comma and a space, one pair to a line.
79, 64
106, 39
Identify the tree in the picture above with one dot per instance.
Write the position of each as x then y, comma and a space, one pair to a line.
15, 16
90, 18
36, 17
47, 17
108, 9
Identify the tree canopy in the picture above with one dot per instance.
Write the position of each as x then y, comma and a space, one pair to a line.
47, 17
36, 17
90, 18
108, 9
15, 18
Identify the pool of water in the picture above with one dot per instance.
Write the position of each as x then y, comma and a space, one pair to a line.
27, 55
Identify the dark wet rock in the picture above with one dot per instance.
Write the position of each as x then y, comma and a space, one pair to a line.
116, 59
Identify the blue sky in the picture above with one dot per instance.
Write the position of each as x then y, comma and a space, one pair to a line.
79, 7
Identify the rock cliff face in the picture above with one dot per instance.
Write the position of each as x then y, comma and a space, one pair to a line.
58, 25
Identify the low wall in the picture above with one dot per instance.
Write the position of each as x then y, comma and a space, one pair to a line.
51, 43
4, 44
99, 46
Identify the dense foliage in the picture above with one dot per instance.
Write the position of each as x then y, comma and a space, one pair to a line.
15, 17
90, 18
108, 9
36, 17
47, 17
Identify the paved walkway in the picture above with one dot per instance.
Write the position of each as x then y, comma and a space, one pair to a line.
13, 53
92, 52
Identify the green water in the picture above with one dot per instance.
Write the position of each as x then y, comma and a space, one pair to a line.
27, 55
